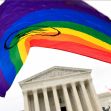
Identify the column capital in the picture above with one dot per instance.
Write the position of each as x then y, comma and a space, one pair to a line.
64, 85
90, 81
81, 82
54, 86
44, 89
24, 92
34, 90
73, 83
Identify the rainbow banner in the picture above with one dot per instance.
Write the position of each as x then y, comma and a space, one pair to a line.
69, 25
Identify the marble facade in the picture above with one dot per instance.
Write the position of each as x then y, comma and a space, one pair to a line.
60, 89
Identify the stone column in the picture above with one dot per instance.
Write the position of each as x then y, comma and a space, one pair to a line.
85, 97
36, 102
26, 101
46, 100
93, 96
76, 98
56, 100
67, 99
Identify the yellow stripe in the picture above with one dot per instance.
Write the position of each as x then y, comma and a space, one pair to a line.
22, 49
23, 52
78, 34
85, 37
21, 44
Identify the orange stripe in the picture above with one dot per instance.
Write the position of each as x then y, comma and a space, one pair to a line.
74, 48
63, 37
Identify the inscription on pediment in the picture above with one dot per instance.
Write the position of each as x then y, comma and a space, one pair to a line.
54, 73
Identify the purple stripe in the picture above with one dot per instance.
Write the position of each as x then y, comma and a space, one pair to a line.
3, 85
14, 10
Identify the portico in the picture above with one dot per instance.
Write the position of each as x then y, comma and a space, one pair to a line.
60, 89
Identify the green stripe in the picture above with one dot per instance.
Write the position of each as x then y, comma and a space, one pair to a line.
14, 52
15, 58
78, 27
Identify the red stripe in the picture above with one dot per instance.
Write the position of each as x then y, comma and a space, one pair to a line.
74, 48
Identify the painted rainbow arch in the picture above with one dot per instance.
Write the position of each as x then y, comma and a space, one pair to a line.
69, 25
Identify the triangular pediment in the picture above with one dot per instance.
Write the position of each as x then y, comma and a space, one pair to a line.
55, 72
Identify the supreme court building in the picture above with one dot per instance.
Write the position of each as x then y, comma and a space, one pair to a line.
60, 89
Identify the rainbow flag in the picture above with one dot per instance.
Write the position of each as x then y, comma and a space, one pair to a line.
69, 25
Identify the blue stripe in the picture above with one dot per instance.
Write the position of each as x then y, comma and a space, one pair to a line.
42, 16
61, 15
7, 67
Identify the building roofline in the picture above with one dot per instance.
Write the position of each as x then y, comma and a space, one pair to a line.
55, 67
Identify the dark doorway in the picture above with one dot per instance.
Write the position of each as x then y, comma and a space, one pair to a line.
63, 108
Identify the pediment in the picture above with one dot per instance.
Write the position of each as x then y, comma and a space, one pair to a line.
55, 72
